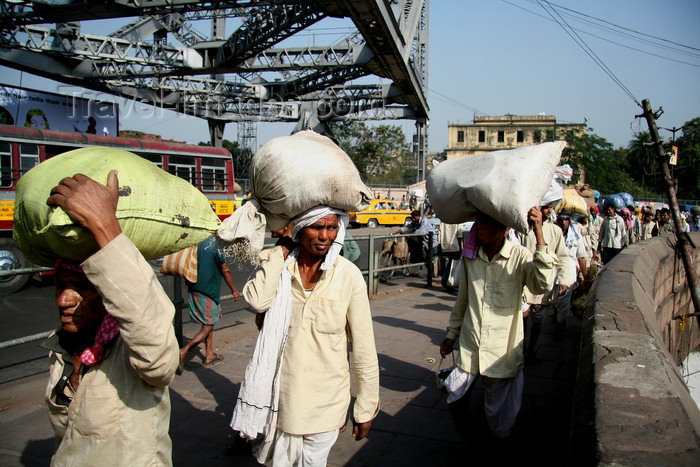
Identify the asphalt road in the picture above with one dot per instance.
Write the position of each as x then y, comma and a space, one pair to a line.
32, 310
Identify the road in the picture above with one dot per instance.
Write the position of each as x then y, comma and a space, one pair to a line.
32, 310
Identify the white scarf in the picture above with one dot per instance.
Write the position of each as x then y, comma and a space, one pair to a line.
258, 399
572, 236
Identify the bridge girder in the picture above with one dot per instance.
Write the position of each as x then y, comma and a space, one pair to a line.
392, 44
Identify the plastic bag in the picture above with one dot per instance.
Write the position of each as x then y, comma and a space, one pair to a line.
455, 272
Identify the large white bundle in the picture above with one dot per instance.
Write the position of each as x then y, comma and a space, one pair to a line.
555, 193
501, 184
290, 175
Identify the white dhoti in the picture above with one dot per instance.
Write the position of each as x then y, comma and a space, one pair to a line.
301, 450
502, 399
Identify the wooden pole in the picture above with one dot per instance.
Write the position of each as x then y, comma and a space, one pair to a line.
683, 242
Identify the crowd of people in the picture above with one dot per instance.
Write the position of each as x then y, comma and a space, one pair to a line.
115, 353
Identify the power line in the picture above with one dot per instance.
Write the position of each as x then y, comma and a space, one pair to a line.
620, 33
451, 100
626, 29
580, 42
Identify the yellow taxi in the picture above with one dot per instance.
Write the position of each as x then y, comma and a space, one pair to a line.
381, 212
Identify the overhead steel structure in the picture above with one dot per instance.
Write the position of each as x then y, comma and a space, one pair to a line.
379, 70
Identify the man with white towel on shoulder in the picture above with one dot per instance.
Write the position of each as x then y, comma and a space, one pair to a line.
294, 399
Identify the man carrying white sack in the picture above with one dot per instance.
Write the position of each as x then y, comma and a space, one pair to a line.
487, 321
296, 392
116, 351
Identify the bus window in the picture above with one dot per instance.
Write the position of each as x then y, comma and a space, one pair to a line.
52, 150
157, 159
184, 167
213, 174
28, 157
5, 165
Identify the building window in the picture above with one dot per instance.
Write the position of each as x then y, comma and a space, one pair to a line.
501, 136
521, 136
482, 136
537, 136
460, 136
550, 135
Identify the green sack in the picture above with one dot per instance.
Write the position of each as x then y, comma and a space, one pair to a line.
159, 212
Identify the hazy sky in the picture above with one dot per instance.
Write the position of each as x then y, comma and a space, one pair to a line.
497, 57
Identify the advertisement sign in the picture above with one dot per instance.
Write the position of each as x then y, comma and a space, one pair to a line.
25, 107
673, 156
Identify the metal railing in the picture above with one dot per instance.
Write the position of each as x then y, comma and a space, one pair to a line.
372, 274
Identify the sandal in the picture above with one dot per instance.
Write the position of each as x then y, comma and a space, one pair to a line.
212, 361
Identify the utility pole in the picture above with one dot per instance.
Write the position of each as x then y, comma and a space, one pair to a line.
683, 244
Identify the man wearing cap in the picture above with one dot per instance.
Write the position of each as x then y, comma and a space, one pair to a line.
296, 392
487, 323
116, 351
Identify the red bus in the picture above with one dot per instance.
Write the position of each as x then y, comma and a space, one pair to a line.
21, 148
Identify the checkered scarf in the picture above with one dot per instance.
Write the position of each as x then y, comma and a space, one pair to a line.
108, 330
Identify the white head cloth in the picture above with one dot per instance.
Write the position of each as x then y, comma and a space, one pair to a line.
310, 216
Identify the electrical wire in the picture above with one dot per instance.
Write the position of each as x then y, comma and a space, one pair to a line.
581, 43
621, 33
626, 29
451, 100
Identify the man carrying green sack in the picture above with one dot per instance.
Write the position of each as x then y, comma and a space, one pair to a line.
116, 351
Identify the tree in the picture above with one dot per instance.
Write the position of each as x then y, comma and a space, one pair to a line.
687, 172
379, 152
241, 157
597, 163
642, 164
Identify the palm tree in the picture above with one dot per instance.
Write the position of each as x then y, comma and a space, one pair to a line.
642, 162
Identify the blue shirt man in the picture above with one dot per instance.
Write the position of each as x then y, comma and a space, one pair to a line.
205, 299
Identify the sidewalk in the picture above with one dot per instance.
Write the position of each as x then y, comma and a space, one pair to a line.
414, 426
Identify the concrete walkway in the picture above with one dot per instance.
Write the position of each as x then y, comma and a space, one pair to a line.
414, 426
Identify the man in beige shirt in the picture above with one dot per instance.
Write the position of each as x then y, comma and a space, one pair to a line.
486, 322
116, 351
540, 305
323, 306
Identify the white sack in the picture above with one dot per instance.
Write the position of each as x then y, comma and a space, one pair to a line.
290, 175
555, 193
501, 184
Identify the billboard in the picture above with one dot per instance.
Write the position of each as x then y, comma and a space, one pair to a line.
25, 107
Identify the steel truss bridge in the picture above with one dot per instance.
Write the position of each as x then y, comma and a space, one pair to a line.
378, 69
